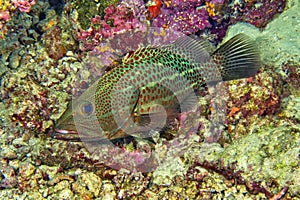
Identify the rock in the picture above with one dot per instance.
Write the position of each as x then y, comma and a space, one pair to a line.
8, 153
10, 179
27, 40
108, 191
14, 59
26, 170
65, 194
3, 69
92, 182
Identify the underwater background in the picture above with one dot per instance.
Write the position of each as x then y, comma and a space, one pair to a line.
46, 45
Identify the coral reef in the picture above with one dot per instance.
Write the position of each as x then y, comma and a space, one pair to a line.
209, 19
85, 10
117, 19
185, 16
8, 8
27, 63
52, 42
206, 18
258, 96
258, 12
255, 157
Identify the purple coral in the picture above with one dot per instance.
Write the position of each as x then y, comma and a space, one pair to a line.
184, 16
23, 5
217, 1
117, 19
230, 173
258, 12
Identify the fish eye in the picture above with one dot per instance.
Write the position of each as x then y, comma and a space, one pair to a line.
87, 108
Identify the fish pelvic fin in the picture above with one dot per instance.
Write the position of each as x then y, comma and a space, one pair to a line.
237, 58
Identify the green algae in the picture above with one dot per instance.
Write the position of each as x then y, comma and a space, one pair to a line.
292, 110
88, 9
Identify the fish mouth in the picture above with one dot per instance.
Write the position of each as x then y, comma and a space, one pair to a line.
66, 135
65, 125
65, 131
64, 128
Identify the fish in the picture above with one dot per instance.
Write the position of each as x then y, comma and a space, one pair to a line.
152, 85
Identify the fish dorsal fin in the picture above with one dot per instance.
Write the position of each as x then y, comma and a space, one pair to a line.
191, 49
237, 58
209, 47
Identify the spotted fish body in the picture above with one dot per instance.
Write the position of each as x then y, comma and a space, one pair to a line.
186, 65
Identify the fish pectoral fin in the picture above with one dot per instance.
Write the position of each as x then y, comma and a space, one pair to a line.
189, 103
152, 119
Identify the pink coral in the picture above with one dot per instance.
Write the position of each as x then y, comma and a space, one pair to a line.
187, 21
4, 15
117, 19
23, 5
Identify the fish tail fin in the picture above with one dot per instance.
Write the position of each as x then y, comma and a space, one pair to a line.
237, 58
